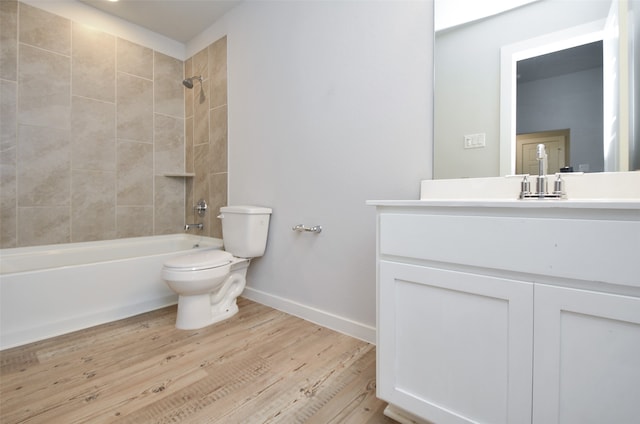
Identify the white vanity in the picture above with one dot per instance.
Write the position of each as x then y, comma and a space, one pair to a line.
509, 311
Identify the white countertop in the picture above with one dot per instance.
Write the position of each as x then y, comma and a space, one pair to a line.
514, 203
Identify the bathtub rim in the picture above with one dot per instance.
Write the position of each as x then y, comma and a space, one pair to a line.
61, 248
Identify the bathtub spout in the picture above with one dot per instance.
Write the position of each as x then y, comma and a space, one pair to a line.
187, 227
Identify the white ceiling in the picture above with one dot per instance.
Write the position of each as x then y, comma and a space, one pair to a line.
180, 20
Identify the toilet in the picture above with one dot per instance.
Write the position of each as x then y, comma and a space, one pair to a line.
208, 282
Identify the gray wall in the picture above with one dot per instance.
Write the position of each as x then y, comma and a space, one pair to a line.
330, 104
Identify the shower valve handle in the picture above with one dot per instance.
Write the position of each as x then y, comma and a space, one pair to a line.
201, 207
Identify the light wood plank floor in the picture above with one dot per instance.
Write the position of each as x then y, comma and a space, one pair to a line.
260, 366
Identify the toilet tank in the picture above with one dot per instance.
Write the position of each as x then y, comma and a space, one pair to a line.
244, 230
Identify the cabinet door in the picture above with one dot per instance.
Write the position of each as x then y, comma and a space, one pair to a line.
586, 357
455, 347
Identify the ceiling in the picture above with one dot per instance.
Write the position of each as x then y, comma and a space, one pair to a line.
180, 20
183, 20
562, 62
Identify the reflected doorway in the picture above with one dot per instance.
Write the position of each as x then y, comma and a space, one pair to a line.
556, 144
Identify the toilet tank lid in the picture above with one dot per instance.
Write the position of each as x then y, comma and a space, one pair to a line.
200, 260
245, 209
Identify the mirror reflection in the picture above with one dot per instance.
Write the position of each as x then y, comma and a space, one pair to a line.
559, 99
530, 73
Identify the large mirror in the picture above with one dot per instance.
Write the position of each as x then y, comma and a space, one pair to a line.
521, 69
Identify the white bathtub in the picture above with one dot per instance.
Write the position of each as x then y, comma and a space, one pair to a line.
50, 290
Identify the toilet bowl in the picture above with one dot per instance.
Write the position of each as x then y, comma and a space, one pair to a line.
209, 282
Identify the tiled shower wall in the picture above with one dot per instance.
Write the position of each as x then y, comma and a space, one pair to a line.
90, 123
206, 134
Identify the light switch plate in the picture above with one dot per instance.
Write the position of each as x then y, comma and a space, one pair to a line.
474, 141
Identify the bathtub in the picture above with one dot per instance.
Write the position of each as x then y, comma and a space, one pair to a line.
50, 290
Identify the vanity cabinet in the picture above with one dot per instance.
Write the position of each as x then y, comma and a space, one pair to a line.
496, 315
586, 363
455, 347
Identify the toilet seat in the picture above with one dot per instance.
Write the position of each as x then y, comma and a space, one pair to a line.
199, 261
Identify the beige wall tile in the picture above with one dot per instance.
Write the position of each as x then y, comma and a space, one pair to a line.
134, 59
93, 205
208, 128
218, 140
45, 30
168, 205
80, 165
188, 94
217, 199
43, 166
93, 134
218, 73
201, 114
201, 169
8, 152
167, 85
134, 221
189, 201
188, 144
134, 108
44, 225
8, 198
201, 63
135, 174
168, 144
93, 63
44, 88
8, 119
8, 39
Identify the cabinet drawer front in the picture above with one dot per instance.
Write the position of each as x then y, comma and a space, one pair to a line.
455, 347
554, 247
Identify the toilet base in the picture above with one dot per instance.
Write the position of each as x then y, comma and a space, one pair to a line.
200, 310
196, 312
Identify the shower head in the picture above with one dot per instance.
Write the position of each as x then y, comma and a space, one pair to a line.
189, 81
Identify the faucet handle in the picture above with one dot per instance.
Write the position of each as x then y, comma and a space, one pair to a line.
525, 187
201, 207
558, 185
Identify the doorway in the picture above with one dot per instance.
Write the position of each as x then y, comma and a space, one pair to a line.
556, 144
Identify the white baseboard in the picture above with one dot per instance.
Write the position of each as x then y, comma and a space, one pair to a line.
326, 319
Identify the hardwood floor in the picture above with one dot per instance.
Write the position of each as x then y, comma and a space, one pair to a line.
260, 366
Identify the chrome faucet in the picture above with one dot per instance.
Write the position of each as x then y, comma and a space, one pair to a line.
200, 209
541, 180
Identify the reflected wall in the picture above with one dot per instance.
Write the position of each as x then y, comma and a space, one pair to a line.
467, 80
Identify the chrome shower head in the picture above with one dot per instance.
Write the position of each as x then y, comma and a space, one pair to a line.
189, 81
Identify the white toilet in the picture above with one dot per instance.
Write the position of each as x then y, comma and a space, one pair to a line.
209, 282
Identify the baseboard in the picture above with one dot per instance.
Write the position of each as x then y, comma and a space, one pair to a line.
326, 319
